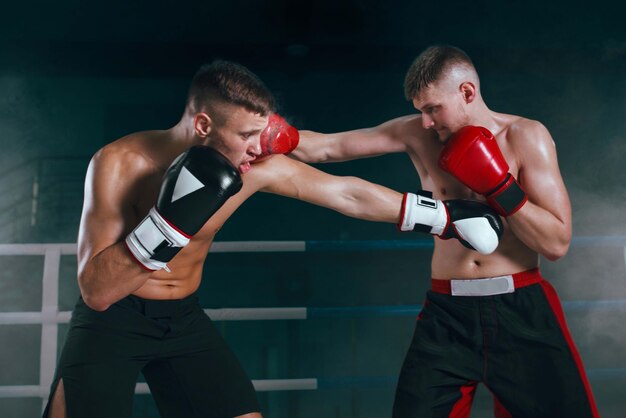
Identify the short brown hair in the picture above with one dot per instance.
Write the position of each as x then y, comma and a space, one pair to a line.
430, 65
231, 83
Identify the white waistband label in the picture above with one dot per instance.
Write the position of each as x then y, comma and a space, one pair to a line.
483, 287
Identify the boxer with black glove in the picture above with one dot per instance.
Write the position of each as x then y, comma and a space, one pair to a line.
135, 317
195, 186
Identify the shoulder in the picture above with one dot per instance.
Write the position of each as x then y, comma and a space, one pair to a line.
123, 156
403, 126
525, 130
530, 140
527, 135
120, 169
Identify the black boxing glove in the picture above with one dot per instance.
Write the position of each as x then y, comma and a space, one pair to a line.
476, 225
194, 187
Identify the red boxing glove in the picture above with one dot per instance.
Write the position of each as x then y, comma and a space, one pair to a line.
472, 156
278, 137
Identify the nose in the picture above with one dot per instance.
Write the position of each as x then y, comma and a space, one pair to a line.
427, 121
255, 147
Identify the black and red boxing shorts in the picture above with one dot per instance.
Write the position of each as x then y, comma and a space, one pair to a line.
508, 333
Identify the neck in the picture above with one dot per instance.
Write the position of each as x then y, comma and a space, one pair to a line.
183, 133
482, 116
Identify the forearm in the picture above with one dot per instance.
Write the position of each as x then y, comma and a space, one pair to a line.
541, 231
364, 200
311, 148
387, 138
110, 276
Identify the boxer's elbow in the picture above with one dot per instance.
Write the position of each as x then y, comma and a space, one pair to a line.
92, 297
95, 301
557, 246
555, 252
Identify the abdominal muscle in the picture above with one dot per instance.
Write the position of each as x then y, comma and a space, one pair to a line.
182, 280
451, 260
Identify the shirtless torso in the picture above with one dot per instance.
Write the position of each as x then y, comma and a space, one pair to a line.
471, 331
530, 153
123, 183
451, 260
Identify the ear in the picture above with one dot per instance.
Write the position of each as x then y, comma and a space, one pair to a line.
468, 90
202, 124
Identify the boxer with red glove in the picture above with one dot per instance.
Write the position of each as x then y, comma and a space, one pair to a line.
474, 224
195, 186
278, 137
472, 156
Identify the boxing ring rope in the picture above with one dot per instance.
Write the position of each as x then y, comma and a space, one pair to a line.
49, 316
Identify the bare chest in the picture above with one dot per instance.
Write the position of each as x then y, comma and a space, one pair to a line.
425, 159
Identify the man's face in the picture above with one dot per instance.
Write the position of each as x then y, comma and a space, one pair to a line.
443, 109
237, 136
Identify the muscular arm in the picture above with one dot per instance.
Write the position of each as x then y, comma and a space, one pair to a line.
106, 272
544, 222
386, 138
350, 196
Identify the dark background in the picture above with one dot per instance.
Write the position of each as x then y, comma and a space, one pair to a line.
75, 76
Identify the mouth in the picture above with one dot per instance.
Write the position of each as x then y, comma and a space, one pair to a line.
244, 167
259, 158
443, 134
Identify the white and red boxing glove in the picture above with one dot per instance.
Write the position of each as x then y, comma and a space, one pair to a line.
476, 225
472, 156
278, 137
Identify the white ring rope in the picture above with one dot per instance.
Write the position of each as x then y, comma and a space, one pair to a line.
50, 316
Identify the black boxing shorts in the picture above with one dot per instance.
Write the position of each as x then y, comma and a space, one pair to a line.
189, 369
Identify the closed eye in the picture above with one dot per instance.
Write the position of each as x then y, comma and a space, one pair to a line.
247, 134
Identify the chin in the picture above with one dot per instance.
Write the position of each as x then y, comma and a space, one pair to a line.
444, 135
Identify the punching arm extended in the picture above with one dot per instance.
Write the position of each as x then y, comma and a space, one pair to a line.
315, 147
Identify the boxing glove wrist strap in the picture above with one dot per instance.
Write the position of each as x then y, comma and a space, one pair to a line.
508, 197
422, 213
154, 241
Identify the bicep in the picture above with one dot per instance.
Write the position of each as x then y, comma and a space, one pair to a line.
540, 176
107, 211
